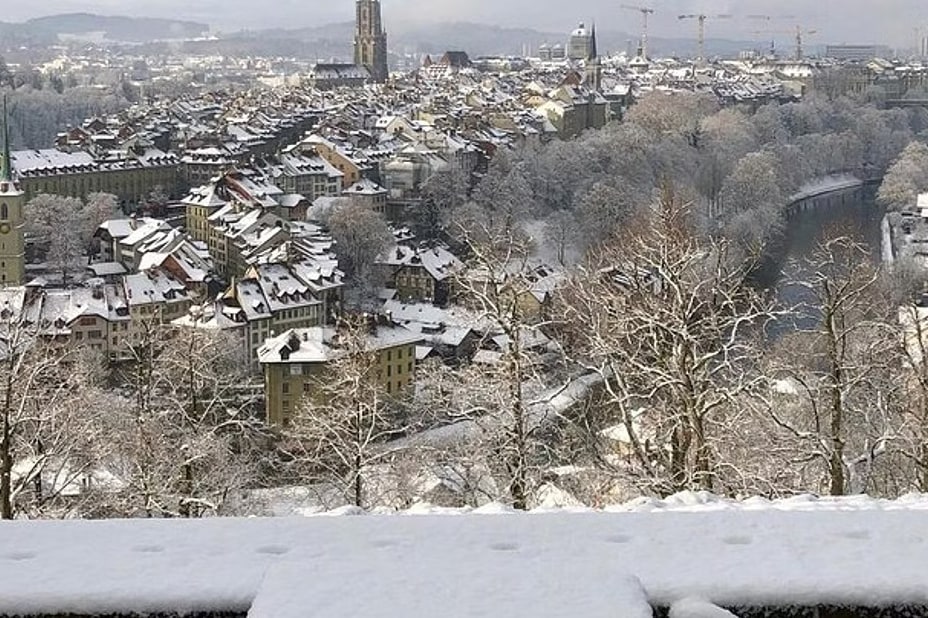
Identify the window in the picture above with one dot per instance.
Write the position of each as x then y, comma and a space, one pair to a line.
389, 357
4, 211
307, 387
409, 367
296, 369
285, 388
95, 334
389, 370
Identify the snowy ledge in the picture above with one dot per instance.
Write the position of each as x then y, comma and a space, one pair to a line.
488, 562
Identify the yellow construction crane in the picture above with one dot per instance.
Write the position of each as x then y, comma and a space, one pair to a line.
645, 12
701, 32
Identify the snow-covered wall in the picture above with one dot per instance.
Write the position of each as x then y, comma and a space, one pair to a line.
489, 562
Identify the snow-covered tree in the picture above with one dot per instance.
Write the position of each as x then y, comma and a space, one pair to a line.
361, 235
50, 412
57, 224
665, 318
442, 194
907, 177
340, 432
185, 437
841, 412
98, 207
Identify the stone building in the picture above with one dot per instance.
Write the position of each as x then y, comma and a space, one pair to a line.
12, 200
295, 362
370, 41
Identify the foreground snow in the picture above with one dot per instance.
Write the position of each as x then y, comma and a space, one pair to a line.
692, 550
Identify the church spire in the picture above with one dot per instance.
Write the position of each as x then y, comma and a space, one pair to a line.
593, 53
6, 167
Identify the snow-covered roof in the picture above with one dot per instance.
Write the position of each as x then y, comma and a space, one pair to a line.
698, 550
319, 344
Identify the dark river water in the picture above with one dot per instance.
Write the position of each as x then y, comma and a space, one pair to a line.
858, 217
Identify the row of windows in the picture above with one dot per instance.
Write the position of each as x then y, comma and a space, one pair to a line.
399, 353
307, 388
399, 369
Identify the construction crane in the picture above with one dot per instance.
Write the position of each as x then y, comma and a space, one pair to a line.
701, 33
768, 19
798, 35
645, 12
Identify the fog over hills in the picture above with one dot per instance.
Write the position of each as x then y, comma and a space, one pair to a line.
329, 41
865, 21
111, 28
335, 40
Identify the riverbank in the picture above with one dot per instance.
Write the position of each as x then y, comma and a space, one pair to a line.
840, 203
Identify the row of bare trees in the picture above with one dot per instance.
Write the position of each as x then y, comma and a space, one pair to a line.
659, 373
170, 432
678, 375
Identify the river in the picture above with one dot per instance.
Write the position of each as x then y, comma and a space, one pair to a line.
782, 274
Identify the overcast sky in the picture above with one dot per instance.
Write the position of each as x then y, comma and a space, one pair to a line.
889, 21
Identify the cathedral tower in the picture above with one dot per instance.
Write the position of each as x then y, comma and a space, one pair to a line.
593, 70
370, 41
12, 200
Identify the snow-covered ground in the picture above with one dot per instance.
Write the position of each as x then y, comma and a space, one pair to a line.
690, 549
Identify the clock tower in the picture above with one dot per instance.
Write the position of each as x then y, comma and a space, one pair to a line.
12, 201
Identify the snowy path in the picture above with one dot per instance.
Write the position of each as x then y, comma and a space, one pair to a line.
557, 564
826, 184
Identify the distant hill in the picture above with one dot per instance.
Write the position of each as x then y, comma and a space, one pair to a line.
46, 30
329, 41
335, 40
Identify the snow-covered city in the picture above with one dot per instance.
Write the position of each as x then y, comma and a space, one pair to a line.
385, 309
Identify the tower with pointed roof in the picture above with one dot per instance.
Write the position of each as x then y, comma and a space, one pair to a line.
370, 40
593, 70
12, 201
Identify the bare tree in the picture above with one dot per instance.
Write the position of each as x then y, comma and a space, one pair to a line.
189, 439
341, 430
667, 320
99, 207
504, 195
361, 235
498, 284
56, 223
49, 420
841, 367
442, 194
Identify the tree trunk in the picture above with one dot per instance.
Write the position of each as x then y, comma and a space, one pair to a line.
6, 469
358, 482
836, 377
518, 487
6, 451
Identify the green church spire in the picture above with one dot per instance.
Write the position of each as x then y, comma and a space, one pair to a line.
6, 168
